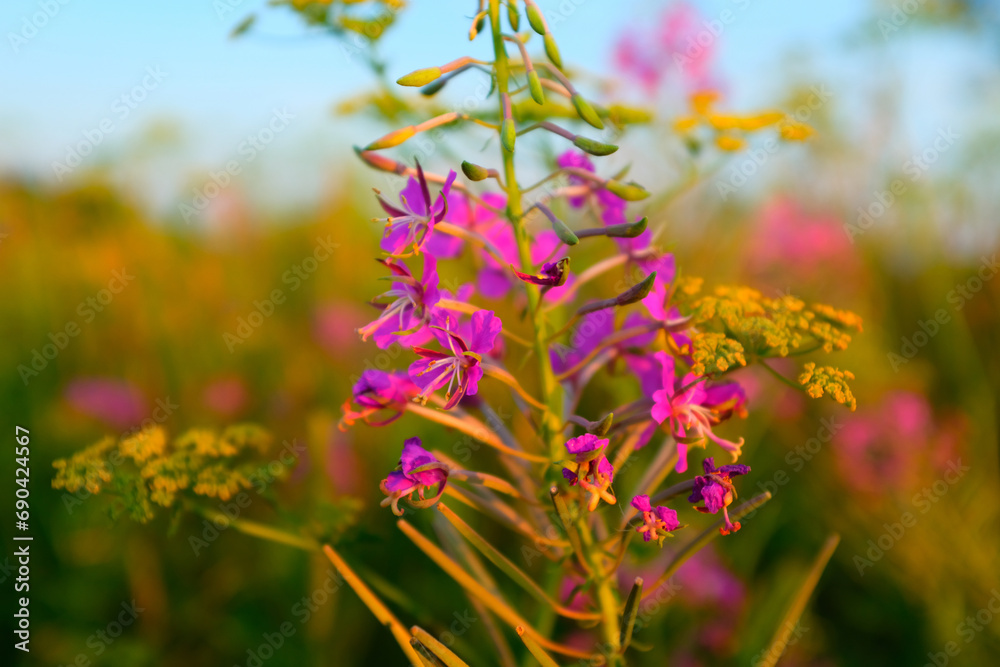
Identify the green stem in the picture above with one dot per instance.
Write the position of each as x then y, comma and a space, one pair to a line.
550, 389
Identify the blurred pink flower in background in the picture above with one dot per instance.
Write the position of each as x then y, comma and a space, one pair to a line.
886, 447
679, 42
117, 403
343, 465
335, 326
225, 396
799, 244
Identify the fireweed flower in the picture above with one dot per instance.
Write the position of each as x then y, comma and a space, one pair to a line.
656, 521
494, 279
688, 409
375, 392
405, 318
411, 224
418, 472
715, 488
458, 367
472, 216
553, 274
594, 472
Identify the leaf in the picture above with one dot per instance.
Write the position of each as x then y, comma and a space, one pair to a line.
798, 603
630, 613
543, 658
437, 649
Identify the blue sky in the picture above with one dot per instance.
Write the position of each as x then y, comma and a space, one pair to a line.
68, 77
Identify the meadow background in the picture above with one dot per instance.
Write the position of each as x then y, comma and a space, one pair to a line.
154, 251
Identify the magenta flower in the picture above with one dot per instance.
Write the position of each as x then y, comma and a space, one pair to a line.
688, 409
459, 366
675, 43
418, 472
375, 392
474, 217
657, 521
594, 473
411, 225
553, 274
116, 402
494, 280
406, 317
716, 489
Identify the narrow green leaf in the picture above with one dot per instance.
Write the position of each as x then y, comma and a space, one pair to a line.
798, 603
440, 652
630, 613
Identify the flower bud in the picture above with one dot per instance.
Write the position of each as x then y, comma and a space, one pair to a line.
380, 161
593, 147
586, 111
551, 50
535, 85
434, 87
564, 233
513, 16
627, 230
420, 77
477, 25
627, 191
637, 292
474, 172
394, 138
535, 18
508, 134
602, 427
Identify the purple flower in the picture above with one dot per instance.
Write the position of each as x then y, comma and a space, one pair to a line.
494, 280
405, 318
473, 217
412, 223
377, 391
458, 366
418, 471
594, 472
553, 274
656, 521
715, 488
688, 410
115, 402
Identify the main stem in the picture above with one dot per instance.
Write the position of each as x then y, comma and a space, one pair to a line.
551, 426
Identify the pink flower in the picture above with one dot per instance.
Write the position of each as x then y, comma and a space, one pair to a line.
410, 225
688, 409
115, 402
716, 489
407, 315
594, 472
419, 472
377, 392
657, 521
225, 396
458, 367
648, 55
474, 217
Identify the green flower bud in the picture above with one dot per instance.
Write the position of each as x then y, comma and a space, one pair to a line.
535, 18
513, 16
420, 77
586, 111
627, 191
594, 147
476, 173
508, 134
551, 50
637, 292
535, 85
394, 138
434, 87
627, 230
